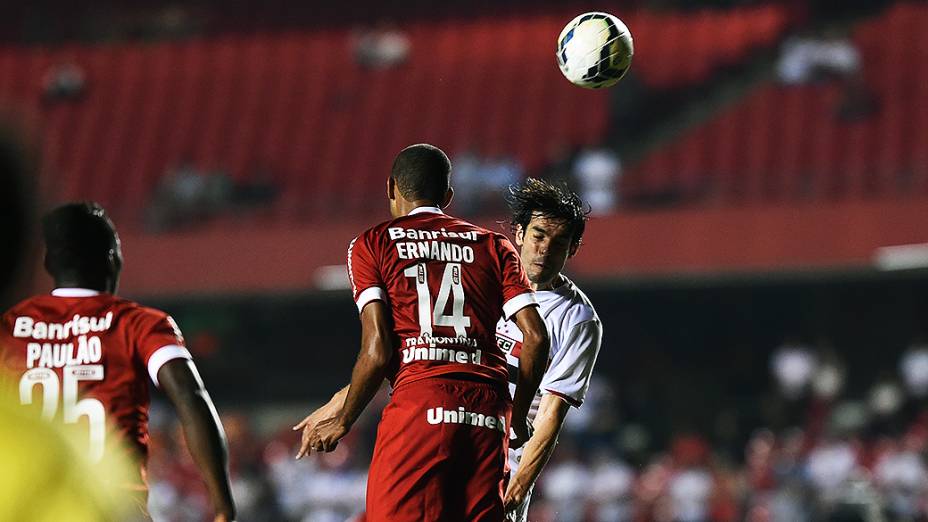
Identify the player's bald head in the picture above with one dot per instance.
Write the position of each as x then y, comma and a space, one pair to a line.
422, 172
80, 242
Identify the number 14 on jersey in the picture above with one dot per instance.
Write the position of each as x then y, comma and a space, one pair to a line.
451, 288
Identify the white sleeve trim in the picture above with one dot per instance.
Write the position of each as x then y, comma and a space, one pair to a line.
374, 293
163, 355
517, 303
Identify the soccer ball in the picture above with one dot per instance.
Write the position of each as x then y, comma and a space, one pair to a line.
595, 50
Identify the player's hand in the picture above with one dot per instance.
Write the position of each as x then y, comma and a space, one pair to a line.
515, 496
309, 424
326, 434
521, 431
223, 518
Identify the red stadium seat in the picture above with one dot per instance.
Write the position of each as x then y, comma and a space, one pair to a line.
785, 143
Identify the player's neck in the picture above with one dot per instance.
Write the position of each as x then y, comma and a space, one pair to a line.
104, 287
557, 281
408, 206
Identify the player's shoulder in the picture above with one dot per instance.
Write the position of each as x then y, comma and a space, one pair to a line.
579, 309
39, 304
27, 304
138, 312
374, 231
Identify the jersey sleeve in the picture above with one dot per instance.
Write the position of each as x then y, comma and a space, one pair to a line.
363, 272
158, 341
517, 291
569, 374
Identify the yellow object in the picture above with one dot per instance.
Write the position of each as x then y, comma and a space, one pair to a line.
44, 478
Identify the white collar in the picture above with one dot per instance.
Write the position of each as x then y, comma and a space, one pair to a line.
74, 292
430, 210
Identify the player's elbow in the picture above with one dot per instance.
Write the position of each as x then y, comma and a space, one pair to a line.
377, 353
536, 342
192, 404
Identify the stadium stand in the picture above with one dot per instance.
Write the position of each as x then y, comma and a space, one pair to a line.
786, 142
299, 106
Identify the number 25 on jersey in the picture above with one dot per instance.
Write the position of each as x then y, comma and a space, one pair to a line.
66, 390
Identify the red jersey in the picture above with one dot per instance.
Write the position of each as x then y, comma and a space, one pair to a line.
79, 353
447, 283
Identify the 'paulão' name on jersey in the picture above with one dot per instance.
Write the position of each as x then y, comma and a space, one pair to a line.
88, 349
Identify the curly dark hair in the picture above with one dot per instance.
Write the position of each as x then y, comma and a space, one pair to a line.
535, 197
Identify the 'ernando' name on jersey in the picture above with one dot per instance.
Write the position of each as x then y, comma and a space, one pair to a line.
432, 248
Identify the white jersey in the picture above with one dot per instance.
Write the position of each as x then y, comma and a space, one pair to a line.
575, 332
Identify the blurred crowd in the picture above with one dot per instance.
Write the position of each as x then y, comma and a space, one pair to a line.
835, 457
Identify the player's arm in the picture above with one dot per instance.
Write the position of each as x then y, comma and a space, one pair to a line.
366, 378
538, 449
202, 430
532, 363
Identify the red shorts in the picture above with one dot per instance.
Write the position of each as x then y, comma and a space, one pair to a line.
441, 453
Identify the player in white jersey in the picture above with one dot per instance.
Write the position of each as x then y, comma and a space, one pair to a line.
548, 223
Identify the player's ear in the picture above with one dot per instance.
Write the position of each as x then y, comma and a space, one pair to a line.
391, 185
572, 251
520, 235
447, 199
47, 263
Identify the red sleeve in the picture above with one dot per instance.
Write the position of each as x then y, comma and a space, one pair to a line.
517, 291
363, 271
158, 340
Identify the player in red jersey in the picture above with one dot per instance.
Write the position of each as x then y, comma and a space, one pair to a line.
83, 355
430, 289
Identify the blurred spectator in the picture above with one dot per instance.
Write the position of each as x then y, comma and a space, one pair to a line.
828, 380
382, 47
805, 59
886, 398
611, 486
831, 56
467, 183
481, 182
793, 365
597, 172
498, 172
65, 81
690, 484
831, 463
914, 370
187, 195
901, 473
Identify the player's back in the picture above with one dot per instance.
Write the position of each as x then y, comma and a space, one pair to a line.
80, 354
447, 283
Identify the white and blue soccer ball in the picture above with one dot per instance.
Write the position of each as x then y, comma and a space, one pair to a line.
595, 50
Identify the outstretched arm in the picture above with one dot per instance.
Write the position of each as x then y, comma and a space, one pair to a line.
202, 430
369, 371
532, 363
538, 449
